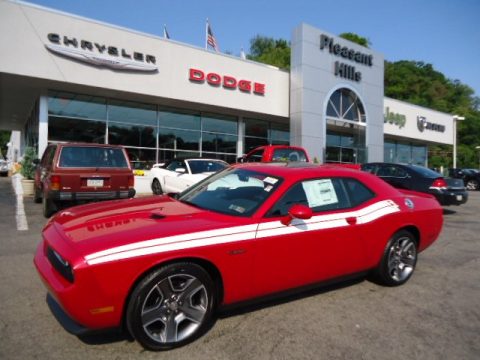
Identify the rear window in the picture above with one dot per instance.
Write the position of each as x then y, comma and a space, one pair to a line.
78, 156
426, 172
289, 155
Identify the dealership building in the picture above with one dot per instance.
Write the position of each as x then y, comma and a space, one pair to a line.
69, 78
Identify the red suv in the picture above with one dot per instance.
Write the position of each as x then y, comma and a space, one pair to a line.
81, 172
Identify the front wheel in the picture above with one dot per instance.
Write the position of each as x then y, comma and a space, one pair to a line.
171, 306
472, 184
399, 259
157, 187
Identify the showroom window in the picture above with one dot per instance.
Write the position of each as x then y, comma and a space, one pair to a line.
346, 128
261, 132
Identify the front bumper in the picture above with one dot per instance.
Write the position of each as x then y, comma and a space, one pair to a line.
76, 305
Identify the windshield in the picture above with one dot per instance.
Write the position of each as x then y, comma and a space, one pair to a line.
233, 192
203, 166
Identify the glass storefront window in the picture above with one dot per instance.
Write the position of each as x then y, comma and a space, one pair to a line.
219, 143
419, 155
403, 153
68, 129
179, 139
178, 119
256, 128
344, 104
131, 112
77, 105
389, 152
141, 158
132, 135
279, 133
219, 124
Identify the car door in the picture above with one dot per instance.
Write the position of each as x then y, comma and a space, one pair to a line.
326, 246
172, 181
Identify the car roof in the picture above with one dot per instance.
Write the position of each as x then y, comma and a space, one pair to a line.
303, 169
81, 144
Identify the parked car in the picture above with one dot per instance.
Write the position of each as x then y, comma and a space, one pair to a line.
163, 265
3, 167
176, 175
276, 153
447, 191
471, 177
73, 172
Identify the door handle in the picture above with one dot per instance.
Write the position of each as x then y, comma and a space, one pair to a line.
351, 220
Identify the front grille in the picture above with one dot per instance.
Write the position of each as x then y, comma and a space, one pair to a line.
60, 265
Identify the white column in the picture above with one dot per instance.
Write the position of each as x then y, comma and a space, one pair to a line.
42, 124
241, 137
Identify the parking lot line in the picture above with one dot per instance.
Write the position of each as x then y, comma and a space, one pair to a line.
20, 216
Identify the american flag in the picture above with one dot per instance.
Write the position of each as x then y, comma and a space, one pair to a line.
211, 39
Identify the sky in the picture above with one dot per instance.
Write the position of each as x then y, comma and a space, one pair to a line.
444, 33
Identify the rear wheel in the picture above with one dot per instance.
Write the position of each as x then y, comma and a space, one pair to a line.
472, 184
399, 259
171, 306
37, 195
157, 187
48, 206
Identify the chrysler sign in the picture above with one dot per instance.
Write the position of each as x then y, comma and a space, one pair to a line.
100, 54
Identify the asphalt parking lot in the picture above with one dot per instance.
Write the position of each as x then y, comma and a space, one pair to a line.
436, 315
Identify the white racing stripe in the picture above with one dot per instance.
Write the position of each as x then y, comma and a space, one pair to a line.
241, 233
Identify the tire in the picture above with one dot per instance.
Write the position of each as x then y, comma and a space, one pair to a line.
171, 306
37, 195
48, 206
157, 187
472, 184
398, 261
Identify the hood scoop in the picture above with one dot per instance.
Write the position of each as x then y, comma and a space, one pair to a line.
157, 214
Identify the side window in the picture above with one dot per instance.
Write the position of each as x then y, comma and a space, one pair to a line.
48, 155
357, 192
370, 168
319, 195
399, 172
386, 170
256, 156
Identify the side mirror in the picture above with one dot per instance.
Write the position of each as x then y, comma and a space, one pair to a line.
241, 159
181, 170
297, 212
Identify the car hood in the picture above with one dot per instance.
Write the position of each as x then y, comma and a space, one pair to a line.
95, 228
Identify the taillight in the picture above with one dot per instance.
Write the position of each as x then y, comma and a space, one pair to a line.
130, 181
439, 183
55, 182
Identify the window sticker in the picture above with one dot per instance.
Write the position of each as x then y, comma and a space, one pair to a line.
270, 180
320, 192
268, 188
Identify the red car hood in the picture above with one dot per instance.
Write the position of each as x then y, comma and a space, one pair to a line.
93, 228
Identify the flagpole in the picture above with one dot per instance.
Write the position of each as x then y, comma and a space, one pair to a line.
206, 35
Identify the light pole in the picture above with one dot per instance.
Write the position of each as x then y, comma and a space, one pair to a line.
478, 149
455, 119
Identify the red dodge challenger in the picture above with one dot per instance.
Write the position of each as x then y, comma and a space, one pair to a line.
161, 266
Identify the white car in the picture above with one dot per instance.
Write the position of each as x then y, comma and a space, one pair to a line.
176, 175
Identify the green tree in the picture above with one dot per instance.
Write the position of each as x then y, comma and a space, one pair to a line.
360, 40
419, 83
270, 51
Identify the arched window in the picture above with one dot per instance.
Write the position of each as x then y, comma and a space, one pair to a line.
345, 105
